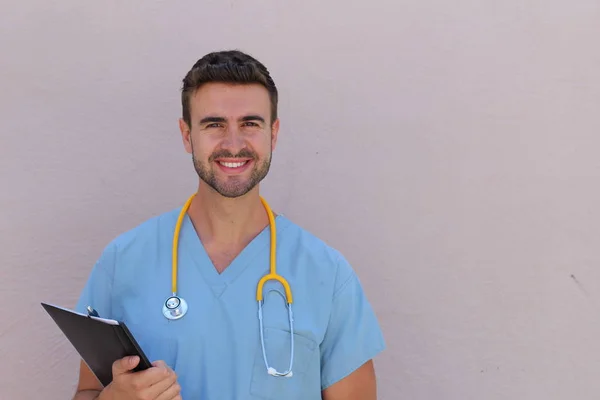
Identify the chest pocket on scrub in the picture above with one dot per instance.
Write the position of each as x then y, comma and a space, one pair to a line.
277, 348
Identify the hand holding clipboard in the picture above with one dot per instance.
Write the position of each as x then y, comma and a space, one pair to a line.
157, 382
113, 355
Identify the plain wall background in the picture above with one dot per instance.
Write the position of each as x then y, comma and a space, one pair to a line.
449, 149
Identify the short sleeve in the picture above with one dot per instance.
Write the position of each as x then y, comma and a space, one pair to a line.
353, 335
97, 291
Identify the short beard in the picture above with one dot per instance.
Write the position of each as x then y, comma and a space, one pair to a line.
233, 186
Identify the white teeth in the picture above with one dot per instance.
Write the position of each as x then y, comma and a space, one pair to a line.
233, 165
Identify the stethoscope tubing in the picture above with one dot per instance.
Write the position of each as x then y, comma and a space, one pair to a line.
175, 307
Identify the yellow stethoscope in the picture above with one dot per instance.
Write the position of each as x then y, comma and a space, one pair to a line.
176, 307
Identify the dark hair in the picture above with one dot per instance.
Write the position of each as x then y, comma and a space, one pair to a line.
228, 66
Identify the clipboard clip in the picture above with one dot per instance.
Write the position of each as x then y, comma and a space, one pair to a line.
91, 312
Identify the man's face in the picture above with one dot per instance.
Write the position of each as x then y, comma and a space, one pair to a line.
231, 137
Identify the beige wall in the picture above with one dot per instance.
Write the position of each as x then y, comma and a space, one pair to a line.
449, 149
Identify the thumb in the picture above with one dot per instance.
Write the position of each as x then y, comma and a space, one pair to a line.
125, 364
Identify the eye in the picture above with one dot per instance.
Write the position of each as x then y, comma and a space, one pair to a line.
214, 125
250, 123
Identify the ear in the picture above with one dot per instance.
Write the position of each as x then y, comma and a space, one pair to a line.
185, 135
274, 134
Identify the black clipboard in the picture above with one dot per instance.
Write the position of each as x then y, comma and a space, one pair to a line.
99, 341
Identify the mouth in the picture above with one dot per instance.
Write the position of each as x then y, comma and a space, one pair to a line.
231, 166
237, 164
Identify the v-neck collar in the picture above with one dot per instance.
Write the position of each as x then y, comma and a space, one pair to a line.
191, 244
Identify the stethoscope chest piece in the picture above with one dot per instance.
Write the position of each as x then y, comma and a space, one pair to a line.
174, 308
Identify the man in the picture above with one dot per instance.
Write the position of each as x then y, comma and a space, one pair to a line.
215, 351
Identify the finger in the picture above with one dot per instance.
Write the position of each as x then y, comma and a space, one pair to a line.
160, 387
145, 379
124, 365
173, 392
160, 364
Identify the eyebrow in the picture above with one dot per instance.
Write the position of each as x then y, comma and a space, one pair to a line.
207, 120
253, 118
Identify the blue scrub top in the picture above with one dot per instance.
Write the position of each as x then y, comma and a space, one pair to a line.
215, 348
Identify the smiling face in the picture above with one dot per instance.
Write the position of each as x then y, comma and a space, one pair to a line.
231, 137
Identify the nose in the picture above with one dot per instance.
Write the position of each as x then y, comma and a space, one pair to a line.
233, 140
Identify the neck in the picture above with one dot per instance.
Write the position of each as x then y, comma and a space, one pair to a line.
223, 221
